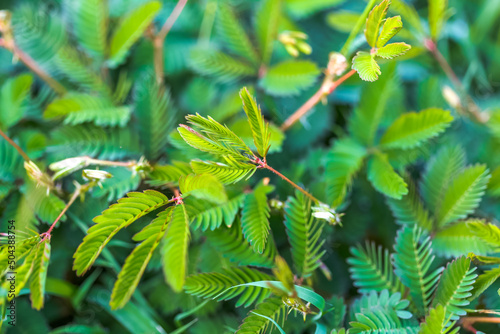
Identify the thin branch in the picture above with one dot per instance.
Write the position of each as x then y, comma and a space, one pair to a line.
46, 235
471, 106
18, 149
159, 39
467, 322
326, 88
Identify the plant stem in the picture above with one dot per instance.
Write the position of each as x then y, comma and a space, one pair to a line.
326, 88
91, 161
159, 39
20, 150
46, 235
33, 66
263, 164
471, 106
467, 322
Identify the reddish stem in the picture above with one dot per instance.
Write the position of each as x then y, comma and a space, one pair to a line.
326, 88
467, 322
18, 149
46, 235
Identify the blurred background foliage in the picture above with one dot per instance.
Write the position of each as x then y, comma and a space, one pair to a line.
205, 64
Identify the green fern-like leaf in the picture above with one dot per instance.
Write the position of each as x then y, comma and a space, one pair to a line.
289, 77
391, 27
393, 50
90, 24
371, 269
364, 63
232, 245
410, 210
219, 286
441, 169
78, 108
23, 272
266, 27
304, 234
122, 182
456, 240
231, 172
137, 261
203, 186
256, 323
112, 220
255, 218
175, 248
463, 195
483, 282
13, 95
39, 274
231, 31
411, 129
168, 174
342, 163
454, 287
130, 28
384, 178
494, 184
11, 162
219, 65
260, 129
487, 232
207, 215
155, 113
46, 206
412, 262
437, 323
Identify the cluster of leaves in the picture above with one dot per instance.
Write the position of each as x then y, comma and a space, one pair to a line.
182, 229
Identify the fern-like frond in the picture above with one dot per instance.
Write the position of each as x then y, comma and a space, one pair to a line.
437, 323
342, 163
463, 195
39, 274
219, 286
456, 239
155, 115
412, 261
168, 174
219, 65
289, 77
231, 31
123, 181
112, 220
441, 169
454, 287
128, 31
255, 217
266, 27
86, 139
384, 178
487, 232
384, 313
231, 243
494, 184
371, 269
23, 272
411, 129
46, 206
175, 248
231, 172
78, 108
136, 263
260, 129
207, 215
13, 95
90, 24
483, 282
203, 186
304, 234
410, 210
256, 321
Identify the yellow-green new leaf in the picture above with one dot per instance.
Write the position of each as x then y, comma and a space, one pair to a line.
231, 172
412, 128
393, 50
374, 21
391, 27
437, 12
260, 129
266, 27
130, 28
22, 275
175, 248
90, 24
203, 186
436, 322
364, 63
112, 220
137, 261
39, 274
384, 178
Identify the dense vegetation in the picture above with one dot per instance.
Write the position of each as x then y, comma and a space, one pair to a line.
222, 166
